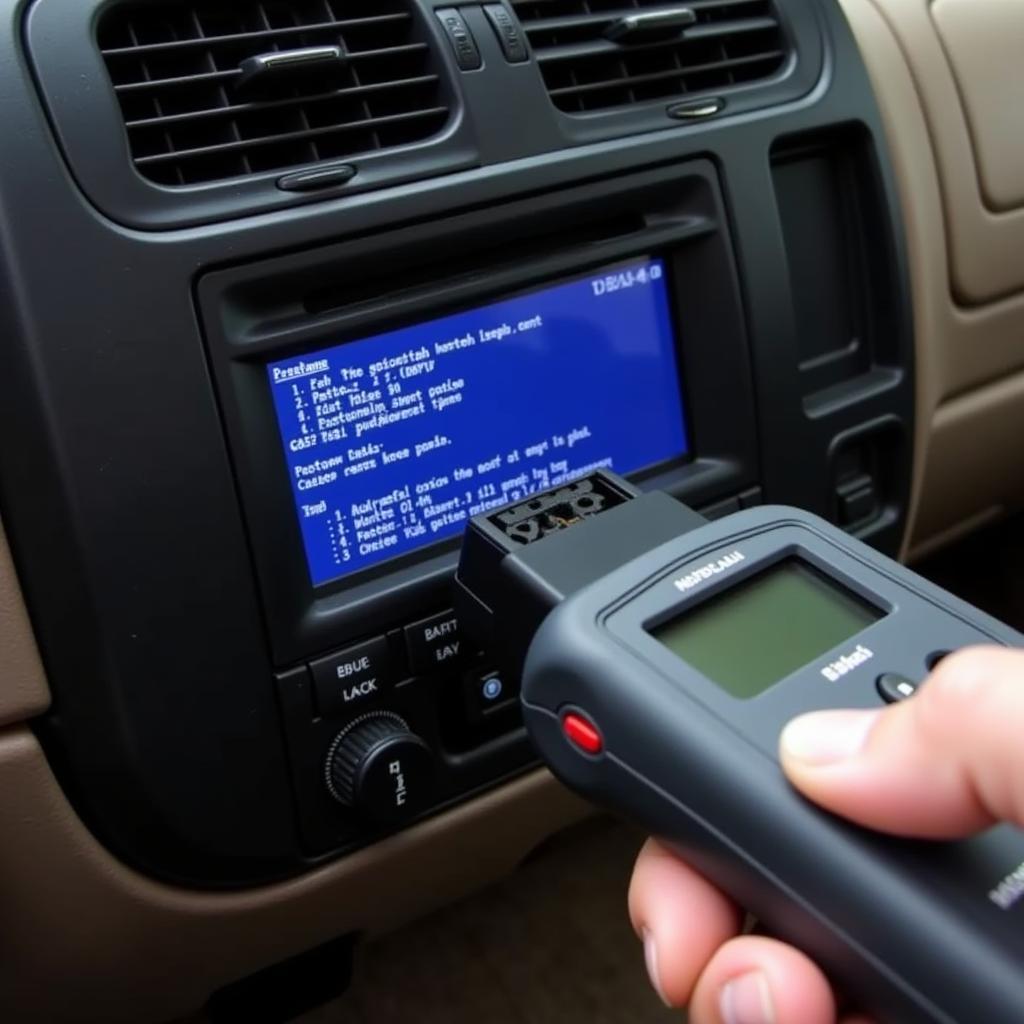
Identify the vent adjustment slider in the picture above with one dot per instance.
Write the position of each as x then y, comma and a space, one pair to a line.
311, 67
653, 24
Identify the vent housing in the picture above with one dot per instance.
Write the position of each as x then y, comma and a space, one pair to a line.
731, 43
175, 68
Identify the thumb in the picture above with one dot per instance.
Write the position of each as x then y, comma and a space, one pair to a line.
947, 762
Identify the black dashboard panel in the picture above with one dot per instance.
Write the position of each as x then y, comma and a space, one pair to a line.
142, 480
478, 125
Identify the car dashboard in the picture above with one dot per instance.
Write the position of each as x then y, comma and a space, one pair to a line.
290, 289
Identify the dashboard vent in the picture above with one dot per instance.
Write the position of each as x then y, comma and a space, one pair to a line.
204, 97
600, 54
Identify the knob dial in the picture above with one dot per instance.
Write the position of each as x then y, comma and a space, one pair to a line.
379, 767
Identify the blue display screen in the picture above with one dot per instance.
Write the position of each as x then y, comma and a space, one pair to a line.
393, 441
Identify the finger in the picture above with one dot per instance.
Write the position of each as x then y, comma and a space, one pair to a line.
754, 980
681, 918
945, 763
844, 1006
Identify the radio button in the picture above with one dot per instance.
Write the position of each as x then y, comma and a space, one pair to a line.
486, 694
435, 643
377, 766
353, 678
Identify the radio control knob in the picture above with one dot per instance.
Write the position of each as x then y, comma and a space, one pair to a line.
380, 768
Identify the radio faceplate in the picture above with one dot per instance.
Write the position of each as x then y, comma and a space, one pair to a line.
279, 312
622, 298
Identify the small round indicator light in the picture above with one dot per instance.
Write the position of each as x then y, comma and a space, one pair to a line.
492, 688
582, 733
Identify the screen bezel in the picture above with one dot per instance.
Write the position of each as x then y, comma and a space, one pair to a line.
256, 314
389, 564
767, 537
741, 585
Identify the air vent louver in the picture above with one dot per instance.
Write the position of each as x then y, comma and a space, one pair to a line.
729, 43
176, 71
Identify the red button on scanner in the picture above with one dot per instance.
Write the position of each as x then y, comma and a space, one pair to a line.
582, 733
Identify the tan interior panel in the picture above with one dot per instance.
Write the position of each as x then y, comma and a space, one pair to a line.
23, 689
975, 443
984, 41
83, 938
984, 247
957, 349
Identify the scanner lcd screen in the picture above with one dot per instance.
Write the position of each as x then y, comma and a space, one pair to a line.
758, 632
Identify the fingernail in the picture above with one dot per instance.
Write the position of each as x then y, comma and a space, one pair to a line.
651, 959
826, 737
747, 1000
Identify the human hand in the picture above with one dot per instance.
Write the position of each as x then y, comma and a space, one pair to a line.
947, 763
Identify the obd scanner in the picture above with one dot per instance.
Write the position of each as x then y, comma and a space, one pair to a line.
660, 656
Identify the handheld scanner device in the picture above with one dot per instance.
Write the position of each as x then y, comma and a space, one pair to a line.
660, 657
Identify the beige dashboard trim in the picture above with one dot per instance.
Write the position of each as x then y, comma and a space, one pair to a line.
23, 689
958, 350
975, 440
984, 246
984, 44
83, 938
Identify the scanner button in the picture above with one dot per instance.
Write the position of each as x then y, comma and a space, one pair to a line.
582, 733
892, 687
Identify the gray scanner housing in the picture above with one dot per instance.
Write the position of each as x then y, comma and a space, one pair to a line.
909, 928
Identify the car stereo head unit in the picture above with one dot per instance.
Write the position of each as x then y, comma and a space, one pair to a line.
392, 442
371, 416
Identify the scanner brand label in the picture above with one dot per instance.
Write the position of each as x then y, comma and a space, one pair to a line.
1009, 890
706, 572
835, 670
